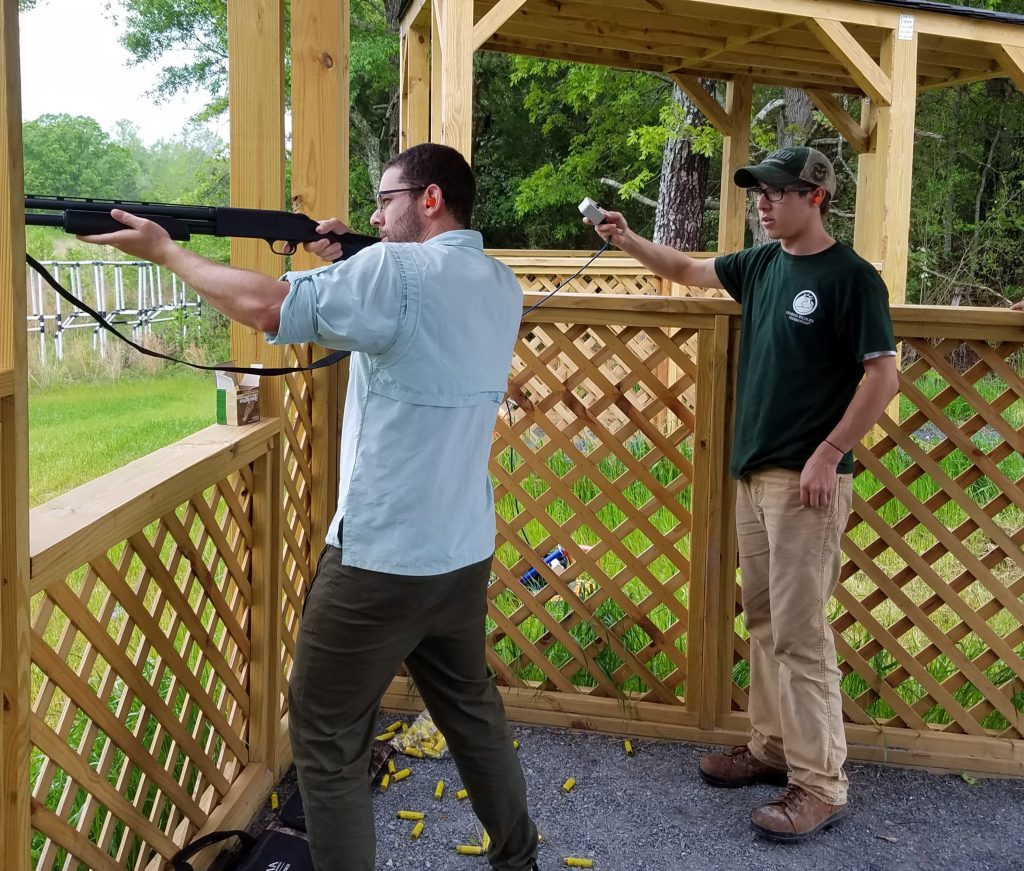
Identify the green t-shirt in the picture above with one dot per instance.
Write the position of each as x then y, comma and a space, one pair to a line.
807, 324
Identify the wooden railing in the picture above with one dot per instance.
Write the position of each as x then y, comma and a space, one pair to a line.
165, 595
628, 471
156, 660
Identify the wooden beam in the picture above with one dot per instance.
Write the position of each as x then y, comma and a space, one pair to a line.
265, 676
849, 128
732, 220
708, 105
414, 114
436, 65
456, 95
320, 188
499, 13
1011, 61
860, 65
731, 44
256, 108
867, 229
899, 57
415, 15
15, 664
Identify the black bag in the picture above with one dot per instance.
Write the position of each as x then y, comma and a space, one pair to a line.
271, 851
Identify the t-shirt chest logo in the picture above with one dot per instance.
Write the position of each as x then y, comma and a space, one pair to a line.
805, 303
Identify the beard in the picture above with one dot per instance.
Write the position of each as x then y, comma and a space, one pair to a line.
407, 227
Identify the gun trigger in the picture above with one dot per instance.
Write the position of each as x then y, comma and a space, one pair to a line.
287, 248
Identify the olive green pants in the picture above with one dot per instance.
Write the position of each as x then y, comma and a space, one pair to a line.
356, 629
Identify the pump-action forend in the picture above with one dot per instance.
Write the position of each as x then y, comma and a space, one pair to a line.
283, 231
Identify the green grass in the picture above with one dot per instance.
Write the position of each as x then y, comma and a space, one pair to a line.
78, 432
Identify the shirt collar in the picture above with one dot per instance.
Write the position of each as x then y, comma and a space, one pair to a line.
458, 239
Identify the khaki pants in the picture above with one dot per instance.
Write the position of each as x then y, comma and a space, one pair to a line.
357, 627
789, 565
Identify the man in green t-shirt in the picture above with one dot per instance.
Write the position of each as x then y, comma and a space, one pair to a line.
817, 367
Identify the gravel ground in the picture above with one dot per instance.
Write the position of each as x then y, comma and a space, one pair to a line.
652, 811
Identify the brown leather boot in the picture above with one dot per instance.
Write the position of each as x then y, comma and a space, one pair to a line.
737, 766
795, 815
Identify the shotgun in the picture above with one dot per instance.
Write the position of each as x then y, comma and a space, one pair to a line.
283, 231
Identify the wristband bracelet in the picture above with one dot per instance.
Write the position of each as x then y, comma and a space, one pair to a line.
834, 446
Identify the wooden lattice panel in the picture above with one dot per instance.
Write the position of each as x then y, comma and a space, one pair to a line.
140, 702
588, 463
297, 477
929, 615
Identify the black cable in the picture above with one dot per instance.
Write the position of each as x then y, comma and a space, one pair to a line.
570, 278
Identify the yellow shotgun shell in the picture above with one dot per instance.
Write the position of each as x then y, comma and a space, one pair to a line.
515, 743
486, 841
395, 726
439, 789
384, 736
410, 815
469, 850
413, 751
391, 766
574, 862
401, 775
629, 747
385, 782
461, 794
569, 784
274, 802
417, 830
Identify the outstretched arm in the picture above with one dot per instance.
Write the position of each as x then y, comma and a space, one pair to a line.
247, 297
660, 259
876, 391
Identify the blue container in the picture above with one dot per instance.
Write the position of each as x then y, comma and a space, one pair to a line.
531, 578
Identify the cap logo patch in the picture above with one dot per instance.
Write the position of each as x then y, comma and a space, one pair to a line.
819, 172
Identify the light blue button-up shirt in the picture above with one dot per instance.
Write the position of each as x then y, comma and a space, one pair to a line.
432, 327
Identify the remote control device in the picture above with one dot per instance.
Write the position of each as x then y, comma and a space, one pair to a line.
589, 209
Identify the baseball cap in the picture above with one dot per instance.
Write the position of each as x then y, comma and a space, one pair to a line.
787, 166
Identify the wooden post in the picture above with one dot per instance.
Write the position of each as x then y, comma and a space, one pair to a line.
256, 106
456, 76
732, 221
882, 231
15, 660
712, 566
265, 676
320, 188
437, 56
899, 60
414, 124
867, 230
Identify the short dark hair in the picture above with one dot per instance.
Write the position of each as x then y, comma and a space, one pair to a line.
442, 165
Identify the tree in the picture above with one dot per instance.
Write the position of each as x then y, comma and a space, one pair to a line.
69, 155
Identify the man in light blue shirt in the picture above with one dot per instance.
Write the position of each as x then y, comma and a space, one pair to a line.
431, 321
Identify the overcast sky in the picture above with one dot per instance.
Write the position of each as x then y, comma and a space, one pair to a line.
72, 63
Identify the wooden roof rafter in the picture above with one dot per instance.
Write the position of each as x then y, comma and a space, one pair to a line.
830, 46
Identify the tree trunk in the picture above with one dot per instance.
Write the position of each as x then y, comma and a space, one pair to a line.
679, 221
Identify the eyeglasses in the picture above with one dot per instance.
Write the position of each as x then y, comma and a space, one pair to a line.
774, 195
382, 194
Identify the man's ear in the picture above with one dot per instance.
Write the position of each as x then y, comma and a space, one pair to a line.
434, 196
